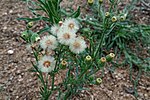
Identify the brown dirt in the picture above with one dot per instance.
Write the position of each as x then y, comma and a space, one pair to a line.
17, 83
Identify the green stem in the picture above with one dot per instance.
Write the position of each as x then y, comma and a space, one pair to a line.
53, 77
136, 82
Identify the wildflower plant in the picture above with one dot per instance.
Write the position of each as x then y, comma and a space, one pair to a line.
62, 48
115, 29
72, 46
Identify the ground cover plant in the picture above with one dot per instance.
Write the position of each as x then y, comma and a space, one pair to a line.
67, 43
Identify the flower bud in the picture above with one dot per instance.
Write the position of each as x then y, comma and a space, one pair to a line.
98, 81
110, 57
88, 58
30, 24
60, 23
107, 14
90, 2
114, 19
37, 38
100, 1
122, 18
64, 64
102, 61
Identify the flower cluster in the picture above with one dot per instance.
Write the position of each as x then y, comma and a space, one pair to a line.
65, 34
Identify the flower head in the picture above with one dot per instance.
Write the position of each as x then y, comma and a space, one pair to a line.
78, 45
71, 24
49, 42
65, 36
55, 29
114, 19
46, 64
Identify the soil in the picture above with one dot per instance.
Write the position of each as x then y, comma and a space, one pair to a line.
18, 83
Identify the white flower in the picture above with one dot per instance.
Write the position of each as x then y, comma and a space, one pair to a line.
78, 45
65, 36
71, 24
49, 42
46, 64
55, 29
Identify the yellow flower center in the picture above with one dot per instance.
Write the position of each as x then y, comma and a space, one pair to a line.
66, 36
71, 25
76, 44
47, 64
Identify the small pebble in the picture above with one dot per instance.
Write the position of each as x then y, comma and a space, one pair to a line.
10, 11
10, 52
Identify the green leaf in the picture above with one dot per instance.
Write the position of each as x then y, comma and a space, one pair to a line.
76, 13
47, 28
29, 19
